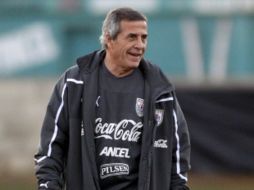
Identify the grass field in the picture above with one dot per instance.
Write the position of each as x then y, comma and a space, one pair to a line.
221, 182
196, 182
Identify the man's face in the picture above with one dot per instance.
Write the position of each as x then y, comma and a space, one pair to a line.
129, 47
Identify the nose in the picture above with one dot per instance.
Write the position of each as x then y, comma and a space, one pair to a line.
140, 43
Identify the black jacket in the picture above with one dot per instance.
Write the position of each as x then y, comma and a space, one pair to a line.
66, 157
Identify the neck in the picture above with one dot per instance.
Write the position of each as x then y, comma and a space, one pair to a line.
115, 69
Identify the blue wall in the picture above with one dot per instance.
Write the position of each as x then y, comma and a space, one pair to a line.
74, 33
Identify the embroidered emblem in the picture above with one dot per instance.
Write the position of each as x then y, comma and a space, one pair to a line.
159, 115
44, 185
160, 143
140, 107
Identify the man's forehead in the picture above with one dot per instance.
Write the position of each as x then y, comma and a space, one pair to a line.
134, 25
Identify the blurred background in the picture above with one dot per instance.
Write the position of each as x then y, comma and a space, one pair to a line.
206, 48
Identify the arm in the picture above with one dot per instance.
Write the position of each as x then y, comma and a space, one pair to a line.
181, 151
49, 161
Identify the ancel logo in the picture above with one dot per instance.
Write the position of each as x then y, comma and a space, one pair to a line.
115, 152
113, 169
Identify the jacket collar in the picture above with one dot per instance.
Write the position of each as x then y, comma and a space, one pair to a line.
152, 73
91, 61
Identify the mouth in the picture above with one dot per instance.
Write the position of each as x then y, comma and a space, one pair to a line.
135, 55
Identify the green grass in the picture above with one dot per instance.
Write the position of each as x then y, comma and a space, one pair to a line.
221, 182
17, 185
196, 182
24, 182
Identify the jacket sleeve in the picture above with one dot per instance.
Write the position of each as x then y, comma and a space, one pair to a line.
49, 160
181, 150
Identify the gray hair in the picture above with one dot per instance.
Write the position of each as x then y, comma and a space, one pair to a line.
111, 24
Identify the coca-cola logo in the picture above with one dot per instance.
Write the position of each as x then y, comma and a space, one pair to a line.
125, 130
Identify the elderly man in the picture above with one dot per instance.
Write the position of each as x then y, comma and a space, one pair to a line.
113, 121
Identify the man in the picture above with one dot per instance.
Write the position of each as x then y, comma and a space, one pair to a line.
113, 121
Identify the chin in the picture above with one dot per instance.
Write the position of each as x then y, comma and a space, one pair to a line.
135, 64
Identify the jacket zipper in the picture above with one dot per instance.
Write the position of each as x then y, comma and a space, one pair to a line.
153, 138
147, 186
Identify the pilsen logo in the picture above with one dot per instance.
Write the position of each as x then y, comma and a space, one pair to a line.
114, 169
125, 130
140, 107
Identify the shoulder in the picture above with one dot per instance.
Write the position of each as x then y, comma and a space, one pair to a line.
151, 69
154, 74
84, 64
73, 72
90, 61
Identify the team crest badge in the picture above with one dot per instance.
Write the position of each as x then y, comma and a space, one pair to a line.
140, 107
159, 114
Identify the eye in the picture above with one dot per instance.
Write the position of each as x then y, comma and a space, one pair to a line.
144, 38
132, 36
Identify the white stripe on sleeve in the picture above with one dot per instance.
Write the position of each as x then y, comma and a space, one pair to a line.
56, 120
75, 81
41, 159
165, 99
178, 170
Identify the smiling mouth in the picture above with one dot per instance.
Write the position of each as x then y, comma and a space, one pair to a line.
138, 55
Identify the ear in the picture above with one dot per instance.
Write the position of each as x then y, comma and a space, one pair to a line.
108, 40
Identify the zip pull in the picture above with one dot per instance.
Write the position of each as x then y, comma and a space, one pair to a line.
82, 128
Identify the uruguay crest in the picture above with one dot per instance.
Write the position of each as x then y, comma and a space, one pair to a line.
159, 114
140, 107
